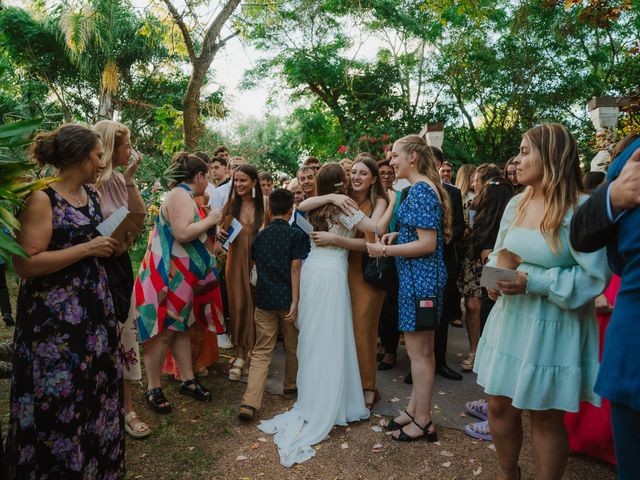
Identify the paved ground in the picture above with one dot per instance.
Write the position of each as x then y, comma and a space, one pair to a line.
449, 396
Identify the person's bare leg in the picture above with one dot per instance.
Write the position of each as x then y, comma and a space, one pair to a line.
472, 318
127, 394
181, 351
420, 350
550, 443
505, 424
155, 350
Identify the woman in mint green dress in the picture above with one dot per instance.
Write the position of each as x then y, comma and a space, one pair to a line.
539, 349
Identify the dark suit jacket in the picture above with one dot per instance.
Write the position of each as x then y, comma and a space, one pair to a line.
592, 230
450, 251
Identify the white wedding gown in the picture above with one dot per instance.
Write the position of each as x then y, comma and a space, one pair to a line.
329, 387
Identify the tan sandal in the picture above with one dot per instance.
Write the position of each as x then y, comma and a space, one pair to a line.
136, 430
467, 363
235, 372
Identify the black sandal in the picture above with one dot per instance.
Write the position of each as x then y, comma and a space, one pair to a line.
393, 425
198, 392
155, 398
426, 435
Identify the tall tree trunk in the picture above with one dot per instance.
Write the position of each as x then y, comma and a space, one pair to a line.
211, 43
105, 107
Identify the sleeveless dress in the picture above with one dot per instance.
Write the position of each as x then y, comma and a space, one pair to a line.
239, 290
366, 305
176, 286
540, 349
329, 390
66, 414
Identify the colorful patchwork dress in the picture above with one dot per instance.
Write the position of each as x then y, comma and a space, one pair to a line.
176, 286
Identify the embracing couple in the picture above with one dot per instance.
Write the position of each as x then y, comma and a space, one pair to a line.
329, 384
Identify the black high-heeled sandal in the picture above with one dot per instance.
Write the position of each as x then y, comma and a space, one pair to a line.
198, 392
393, 425
155, 398
426, 435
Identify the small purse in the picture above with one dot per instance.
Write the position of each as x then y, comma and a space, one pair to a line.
378, 272
426, 307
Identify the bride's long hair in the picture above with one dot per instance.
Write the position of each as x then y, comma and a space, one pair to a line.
331, 178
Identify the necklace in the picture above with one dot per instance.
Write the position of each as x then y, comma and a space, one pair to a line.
78, 200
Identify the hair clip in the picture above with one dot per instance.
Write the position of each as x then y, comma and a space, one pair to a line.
339, 184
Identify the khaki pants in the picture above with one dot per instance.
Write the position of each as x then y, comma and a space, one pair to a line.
267, 322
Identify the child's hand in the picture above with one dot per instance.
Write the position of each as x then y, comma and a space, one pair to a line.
293, 313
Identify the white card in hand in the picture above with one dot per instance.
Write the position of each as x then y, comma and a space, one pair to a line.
232, 233
303, 224
109, 226
491, 275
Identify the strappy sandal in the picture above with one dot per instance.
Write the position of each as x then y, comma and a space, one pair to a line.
194, 388
376, 399
135, 430
393, 425
426, 435
155, 398
235, 372
457, 323
467, 363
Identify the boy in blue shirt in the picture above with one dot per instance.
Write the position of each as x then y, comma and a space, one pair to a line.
277, 251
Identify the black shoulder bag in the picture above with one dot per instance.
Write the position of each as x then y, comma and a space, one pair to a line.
379, 272
426, 307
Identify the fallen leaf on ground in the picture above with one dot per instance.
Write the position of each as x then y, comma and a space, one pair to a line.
377, 429
446, 453
440, 392
240, 458
446, 464
262, 439
344, 446
377, 448
191, 449
477, 471
463, 414
377, 415
142, 455
394, 380
437, 443
394, 400
255, 445
491, 447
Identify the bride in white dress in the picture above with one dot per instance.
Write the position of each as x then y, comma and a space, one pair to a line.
329, 388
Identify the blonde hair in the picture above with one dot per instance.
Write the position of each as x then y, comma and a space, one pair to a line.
293, 185
463, 178
112, 134
561, 178
426, 164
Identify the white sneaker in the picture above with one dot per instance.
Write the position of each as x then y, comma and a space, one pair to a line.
224, 341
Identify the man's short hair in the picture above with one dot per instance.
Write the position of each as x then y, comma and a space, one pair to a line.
220, 149
309, 160
219, 160
280, 201
304, 168
437, 153
265, 176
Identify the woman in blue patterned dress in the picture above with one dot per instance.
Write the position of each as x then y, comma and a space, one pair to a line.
66, 415
424, 221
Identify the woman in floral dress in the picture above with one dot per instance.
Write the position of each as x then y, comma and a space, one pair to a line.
66, 417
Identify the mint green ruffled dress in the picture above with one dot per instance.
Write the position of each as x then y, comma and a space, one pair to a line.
541, 348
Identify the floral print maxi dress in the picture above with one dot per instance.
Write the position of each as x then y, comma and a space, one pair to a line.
66, 416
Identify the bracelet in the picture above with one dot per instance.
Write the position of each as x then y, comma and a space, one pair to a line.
384, 250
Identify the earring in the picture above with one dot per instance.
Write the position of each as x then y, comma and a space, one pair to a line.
253, 192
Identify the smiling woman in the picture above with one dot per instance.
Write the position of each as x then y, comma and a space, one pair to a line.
66, 380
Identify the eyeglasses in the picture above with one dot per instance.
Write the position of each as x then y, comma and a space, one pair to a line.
512, 174
387, 174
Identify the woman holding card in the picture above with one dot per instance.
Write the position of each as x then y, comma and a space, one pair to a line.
119, 190
424, 221
245, 205
539, 349
176, 284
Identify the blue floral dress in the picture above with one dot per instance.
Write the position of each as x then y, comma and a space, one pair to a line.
421, 276
66, 415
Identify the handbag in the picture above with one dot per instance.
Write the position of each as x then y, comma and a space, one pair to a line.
379, 272
426, 307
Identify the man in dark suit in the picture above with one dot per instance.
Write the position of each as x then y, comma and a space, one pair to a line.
611, 218
451, 292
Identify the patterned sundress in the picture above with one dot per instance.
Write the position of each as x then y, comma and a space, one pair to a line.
176, 286
66, 415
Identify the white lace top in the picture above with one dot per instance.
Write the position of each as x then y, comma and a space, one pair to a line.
342, 224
